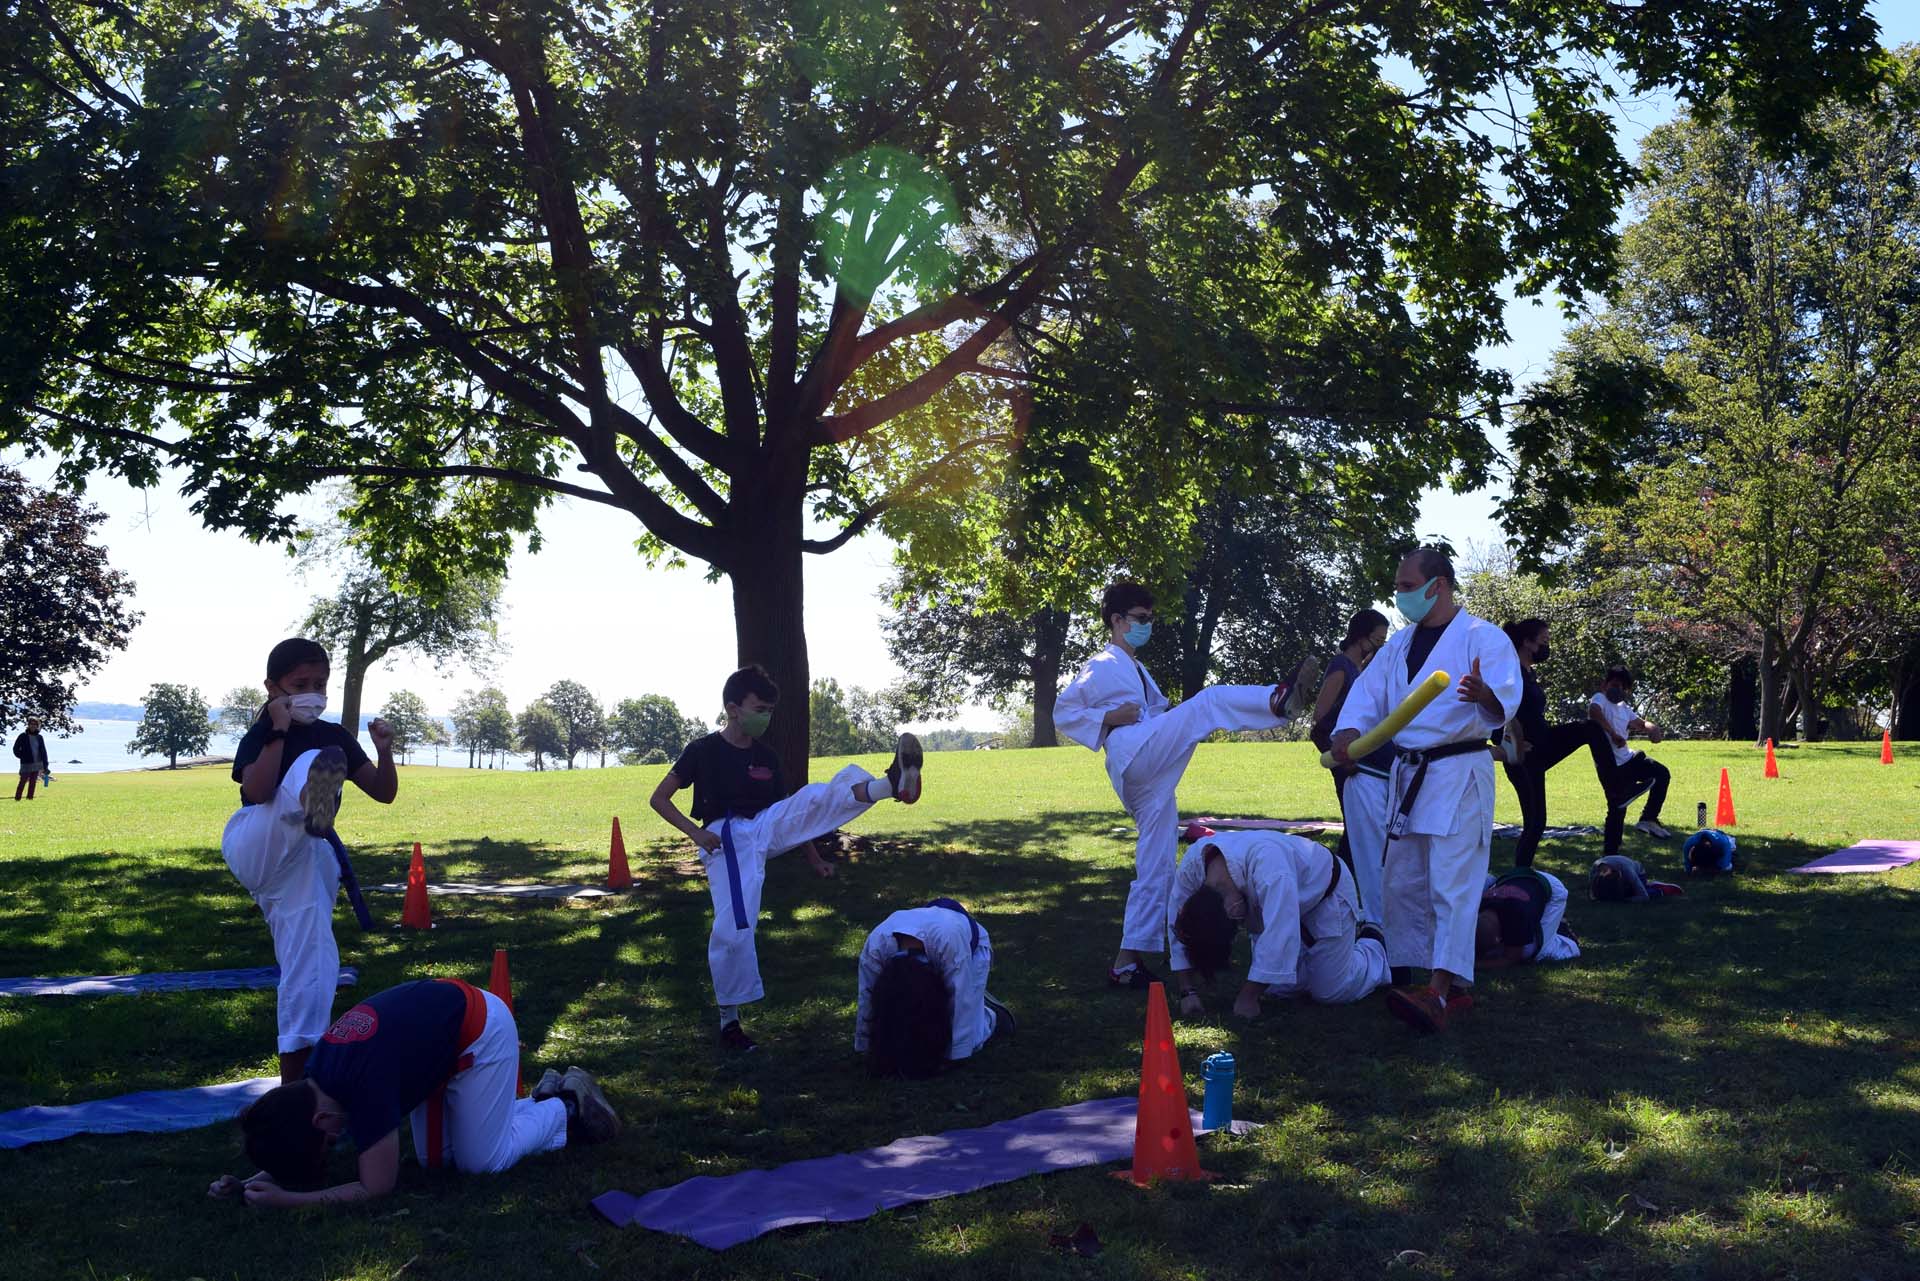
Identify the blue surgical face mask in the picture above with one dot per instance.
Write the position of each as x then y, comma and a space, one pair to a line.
1416, 604
1138, 634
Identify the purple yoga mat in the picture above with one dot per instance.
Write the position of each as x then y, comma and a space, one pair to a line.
1867, 856
148, 1112
179, 981
719, 1212
1269, 824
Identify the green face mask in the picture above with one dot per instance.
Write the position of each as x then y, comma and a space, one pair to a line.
755, 723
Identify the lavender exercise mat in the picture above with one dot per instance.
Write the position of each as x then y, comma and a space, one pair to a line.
127, 984
719, 1212
1268, 824
480, 889
1867, 856
148, 1112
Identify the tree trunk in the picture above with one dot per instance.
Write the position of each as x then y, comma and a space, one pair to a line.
1049, 642
769, 624
1811, 729
1743, 721
355, 678
1770, 694
1906, 694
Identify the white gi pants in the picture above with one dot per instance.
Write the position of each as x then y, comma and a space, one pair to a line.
973, 1021
1363, 806
1433, 884
1337, 968
484, 1129
814, 810
295, 880
1555, 946
1155, 754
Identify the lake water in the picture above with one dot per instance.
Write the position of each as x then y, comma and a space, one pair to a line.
102, 745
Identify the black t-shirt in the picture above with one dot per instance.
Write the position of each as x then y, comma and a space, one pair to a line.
1424, 639
300, 738
384, 1057
740, 781
1533, 712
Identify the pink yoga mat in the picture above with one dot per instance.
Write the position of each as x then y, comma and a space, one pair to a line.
1268, 824
1867, 856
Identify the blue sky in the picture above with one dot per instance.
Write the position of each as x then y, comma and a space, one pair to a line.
585, 607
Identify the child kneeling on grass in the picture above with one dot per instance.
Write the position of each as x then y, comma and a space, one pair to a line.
281, 845
923, 991
438, 1052
1296, 899
1522, 919
742, 816
1618, 879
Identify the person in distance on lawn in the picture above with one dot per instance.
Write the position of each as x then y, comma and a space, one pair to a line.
742, 816
280, 843
1364, 841
439, 1053
1635, 772
1522, 919
1531, 747
923, 991
1618, 879
1112, 705
1298, 903
1440, 798
30, 749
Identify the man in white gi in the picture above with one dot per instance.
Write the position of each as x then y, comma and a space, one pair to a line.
923, 991
742, 816
1522, 920
1113, 705
1440, 795
1296, 900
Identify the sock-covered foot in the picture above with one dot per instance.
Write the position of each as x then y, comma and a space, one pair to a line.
594, 1117
1135, 977
903, 776
320, 795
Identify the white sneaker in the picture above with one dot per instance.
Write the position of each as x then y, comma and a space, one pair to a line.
1653, 829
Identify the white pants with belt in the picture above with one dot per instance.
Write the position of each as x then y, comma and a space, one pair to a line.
1152, 756
1338, 968
295, 880
1433, 885
1363, 806
483, 1128
814, 810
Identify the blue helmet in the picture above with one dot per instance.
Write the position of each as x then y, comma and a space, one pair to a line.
1707, 852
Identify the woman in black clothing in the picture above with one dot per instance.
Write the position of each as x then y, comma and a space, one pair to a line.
1537, 746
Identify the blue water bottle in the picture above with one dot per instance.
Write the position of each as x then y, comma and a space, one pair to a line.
1216, 1109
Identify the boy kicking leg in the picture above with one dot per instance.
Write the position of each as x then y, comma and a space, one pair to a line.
742, 817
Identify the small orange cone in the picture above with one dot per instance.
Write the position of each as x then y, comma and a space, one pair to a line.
500, 983
1886, 747
1724, 818
618, 875
415, 913
1773, 767
1163, 1146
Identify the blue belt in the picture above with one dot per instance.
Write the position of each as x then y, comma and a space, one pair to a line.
733, 873
973, 941
350, 881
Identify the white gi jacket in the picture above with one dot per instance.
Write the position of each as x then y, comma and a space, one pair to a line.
1282, 876
1384, 682
948, 937
1112, 678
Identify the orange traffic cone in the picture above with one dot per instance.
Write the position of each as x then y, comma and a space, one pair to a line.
500, 983
415, 913
1724, 818
1773, 767
1163, 1145
618, 875
1886, 747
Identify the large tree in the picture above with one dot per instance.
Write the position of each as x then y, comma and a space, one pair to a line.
367, 619
64, 611
583, 723
739, 268
174, 721
650, 729
483, 724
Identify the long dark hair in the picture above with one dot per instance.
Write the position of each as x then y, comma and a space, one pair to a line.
911, 1031
1206, 931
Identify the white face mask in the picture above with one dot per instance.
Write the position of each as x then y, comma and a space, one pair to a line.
306, 708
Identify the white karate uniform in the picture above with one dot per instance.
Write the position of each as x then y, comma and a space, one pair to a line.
948, 937
1145, 761
295, 880
484, 1128
1434, 869
1363, 805
1553, 946
814, 810
1284, 879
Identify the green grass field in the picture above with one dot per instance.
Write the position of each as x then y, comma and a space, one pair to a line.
1724, 1086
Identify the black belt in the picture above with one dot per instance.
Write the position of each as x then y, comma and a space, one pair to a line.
1420, 760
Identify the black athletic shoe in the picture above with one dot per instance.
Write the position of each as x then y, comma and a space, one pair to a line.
904, 774
320, 797
547, 1087
735, 1038
1004, 1024
594, 1117
1289, 697
1137, 979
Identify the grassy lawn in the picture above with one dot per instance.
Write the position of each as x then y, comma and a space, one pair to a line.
1724, 1086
